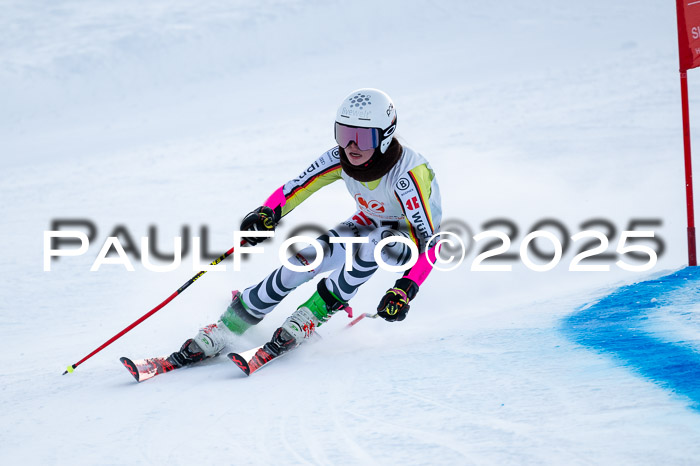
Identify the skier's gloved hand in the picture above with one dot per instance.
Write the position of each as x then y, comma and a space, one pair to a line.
394, 305
261, 219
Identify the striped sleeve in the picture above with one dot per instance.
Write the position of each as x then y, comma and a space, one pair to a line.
323, 171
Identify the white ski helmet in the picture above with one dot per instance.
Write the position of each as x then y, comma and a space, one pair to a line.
369, 109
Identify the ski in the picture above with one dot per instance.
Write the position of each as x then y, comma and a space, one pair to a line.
255, 359
252, 360
247, 361
144, 369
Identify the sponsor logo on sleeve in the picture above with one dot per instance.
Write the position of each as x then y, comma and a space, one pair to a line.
403, 184
418, 221
308, 172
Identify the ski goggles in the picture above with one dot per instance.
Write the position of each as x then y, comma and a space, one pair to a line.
365, 138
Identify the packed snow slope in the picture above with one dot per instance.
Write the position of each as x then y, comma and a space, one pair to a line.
179, 116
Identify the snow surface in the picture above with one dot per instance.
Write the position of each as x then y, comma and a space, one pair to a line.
171, 114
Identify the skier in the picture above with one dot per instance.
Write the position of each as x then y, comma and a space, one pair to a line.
396, 194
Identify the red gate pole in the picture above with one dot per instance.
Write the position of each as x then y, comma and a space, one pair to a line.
692, 253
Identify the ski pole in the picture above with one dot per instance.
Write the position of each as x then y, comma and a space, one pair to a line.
360, 317
72, 367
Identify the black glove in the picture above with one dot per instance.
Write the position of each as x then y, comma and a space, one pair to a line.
261, 219
394, 305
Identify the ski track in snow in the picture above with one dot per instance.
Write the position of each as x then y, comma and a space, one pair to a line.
173, 115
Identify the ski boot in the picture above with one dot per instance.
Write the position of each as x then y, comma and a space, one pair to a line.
303, 322
212, 339
189, 353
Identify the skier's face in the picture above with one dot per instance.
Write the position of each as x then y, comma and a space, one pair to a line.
357, 156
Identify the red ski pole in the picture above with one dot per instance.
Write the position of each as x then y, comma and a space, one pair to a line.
72, 367
360, 317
